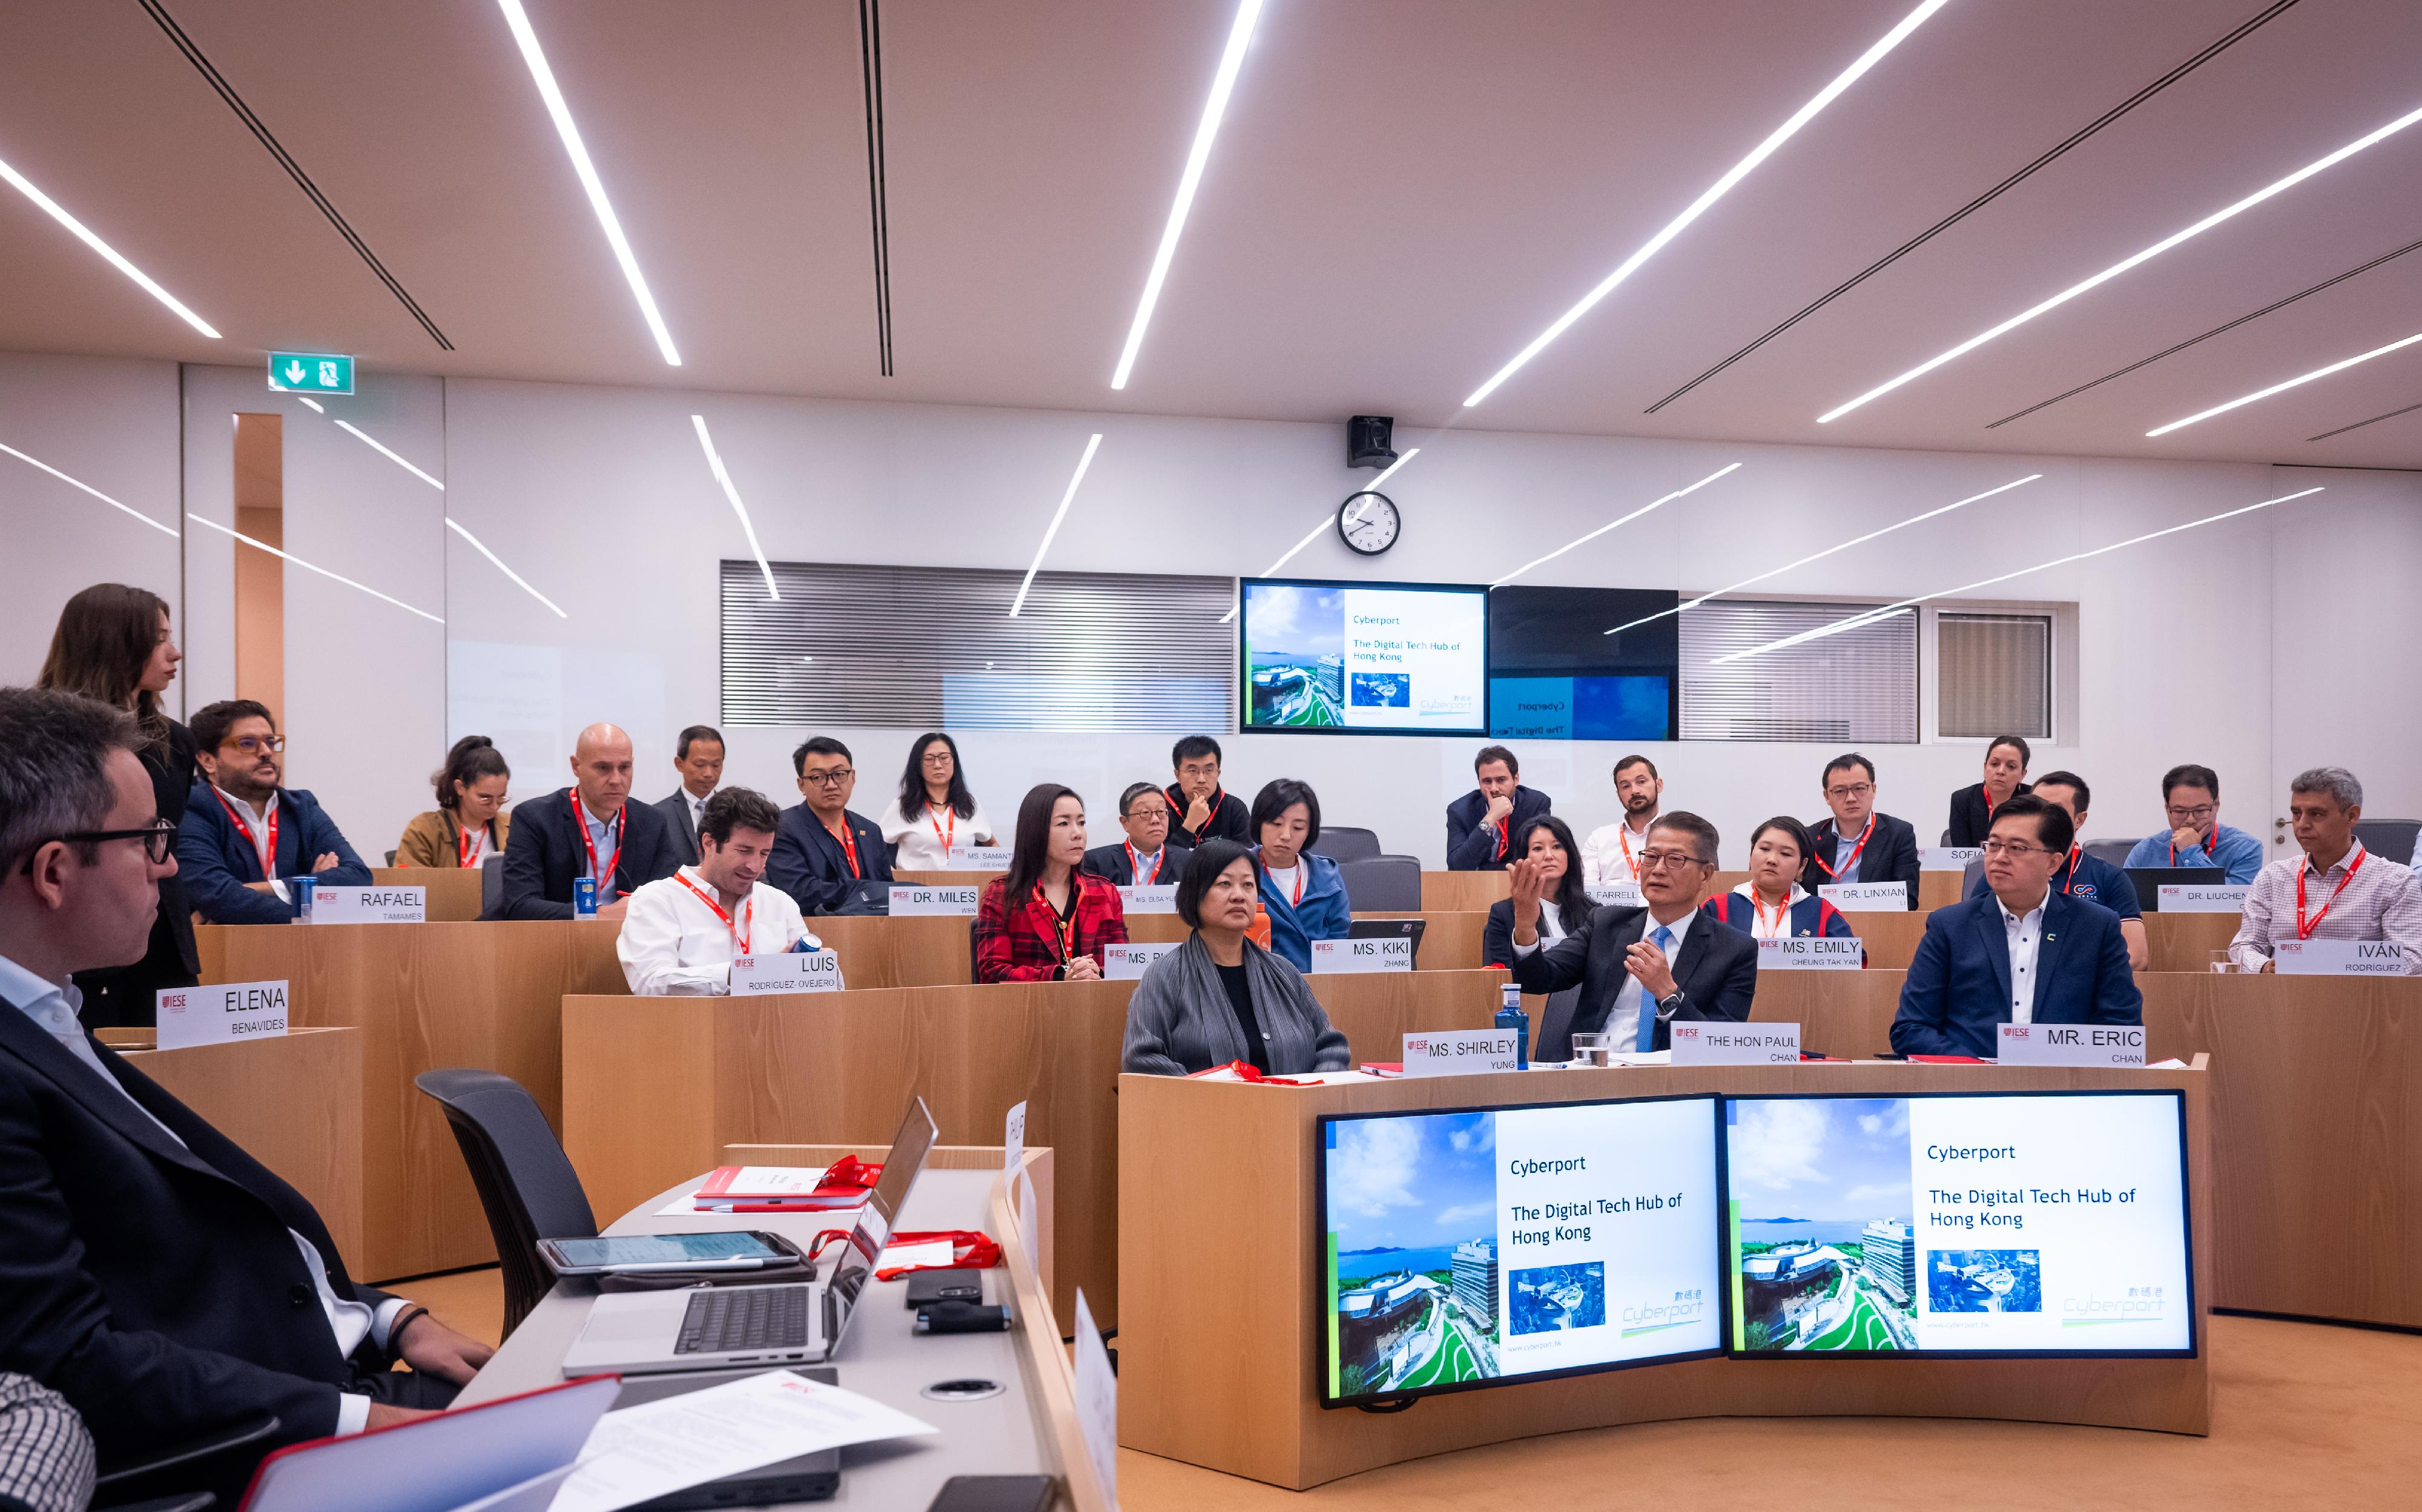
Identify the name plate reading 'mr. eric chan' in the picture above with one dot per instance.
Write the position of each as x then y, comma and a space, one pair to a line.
369, 905
2338, 957
1810, 952
217, 1015
1866, 897
961, 901
1377, 954
1461, 1052
785, 971
1716, 1043
2072, 1045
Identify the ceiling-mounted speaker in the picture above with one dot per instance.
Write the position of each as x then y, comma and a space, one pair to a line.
1369, 441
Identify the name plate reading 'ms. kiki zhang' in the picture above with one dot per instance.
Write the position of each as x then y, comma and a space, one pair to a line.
217, 1015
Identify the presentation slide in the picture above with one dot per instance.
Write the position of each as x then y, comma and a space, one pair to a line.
1555, 673
2023, 1223
1386, 658
1471, 1247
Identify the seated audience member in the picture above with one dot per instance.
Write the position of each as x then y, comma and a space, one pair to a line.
1641, 968
698, 756
45, 1454
2024, 953
2332, 887
2080, 876
1049, 918
1481, 825
1302, 895
242, 835
1772, 905
935, 810
1611, 855
1145, 858
1855, 844
1565, 905
590, 829
2191, 793
1219, 997
1972, 807
162, 1280
680, 934
824, 849
1199, 808
469, 824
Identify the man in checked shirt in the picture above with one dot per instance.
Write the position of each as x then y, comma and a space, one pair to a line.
2332, 888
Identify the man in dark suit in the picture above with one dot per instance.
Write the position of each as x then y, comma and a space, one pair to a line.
1145, 858
239, 810
1641, 968
589, 828
1482, 824
1856, 844
2023, 954
699, 758
822, 849
164, 1281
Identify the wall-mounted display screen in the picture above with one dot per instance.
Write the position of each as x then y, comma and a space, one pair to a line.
1555, 672
2023, 1223
1363, 658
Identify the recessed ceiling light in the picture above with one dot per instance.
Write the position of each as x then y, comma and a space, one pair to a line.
715, 462
1614, 524
482, 547
96, 493
2281, 388
1714, 192
282, 555
1065, 499
51, 207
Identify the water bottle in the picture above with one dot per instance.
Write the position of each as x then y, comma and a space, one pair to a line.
302, 887
584, 897
1512, 1018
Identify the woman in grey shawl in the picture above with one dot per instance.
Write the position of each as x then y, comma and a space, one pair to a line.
1219, 996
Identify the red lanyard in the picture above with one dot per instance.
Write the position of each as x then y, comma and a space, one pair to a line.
468, 844
1135, 864
1063, 930
940, 833
2069, 867
1850, 865
604, 880
1505, 836
1299, 869
1210, 811
267, 850
848, 839
1622, 836
1781, 915
2303, 930
740, 931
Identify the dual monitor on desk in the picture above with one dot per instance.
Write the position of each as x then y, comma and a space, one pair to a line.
1478, 1247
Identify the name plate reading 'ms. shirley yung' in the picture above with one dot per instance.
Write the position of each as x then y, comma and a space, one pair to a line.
1126, 963
2338, 957
2072, 1045
2175, 897
961, 901
1458, 1052
217, 1015
1811, 954
1160, 898
1720, 1043
1378, 955
369, 905
785, 971
1866, 897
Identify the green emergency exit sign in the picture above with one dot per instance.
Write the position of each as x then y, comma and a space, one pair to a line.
311, 373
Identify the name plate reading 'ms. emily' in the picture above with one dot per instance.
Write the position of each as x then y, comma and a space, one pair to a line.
1718, 1043
1458, 1052
2338, 957
369, 905
1161, 898
217, 1015
1379, 954
960, 901
1126, 963
1866, 897
2175, 897
785, 971
2072, 1045
1948, 858
978, 858
1811, 954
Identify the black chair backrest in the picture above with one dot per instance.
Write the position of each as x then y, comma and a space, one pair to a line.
525, 1183
2391, 838
2113, 851
491, 886
1344, 842
1555, 1032
1385, 884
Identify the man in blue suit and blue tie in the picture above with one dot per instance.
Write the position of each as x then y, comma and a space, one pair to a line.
2020, 954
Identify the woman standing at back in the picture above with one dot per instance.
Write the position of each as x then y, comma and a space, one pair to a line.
469, 824
935, 810
114, 645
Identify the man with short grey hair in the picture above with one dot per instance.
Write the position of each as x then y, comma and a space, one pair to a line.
2332, 888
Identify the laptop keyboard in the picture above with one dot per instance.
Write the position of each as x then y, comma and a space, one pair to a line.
724, 1319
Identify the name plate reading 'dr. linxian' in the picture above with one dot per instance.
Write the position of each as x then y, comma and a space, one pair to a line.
960, 901
1866, 897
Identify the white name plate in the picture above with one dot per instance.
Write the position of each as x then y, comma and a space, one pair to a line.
2332, 957
1363, 954
1866, 897
1723, 1043
2072, 1045
1811, 954
1458, 1052
1949, 858
369, 905
1160, 899
1619, 894
2177, 898
979, 858
1126, 963
785, 971
215, 1015
961, 901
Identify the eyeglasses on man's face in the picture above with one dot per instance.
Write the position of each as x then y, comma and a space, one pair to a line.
1659, 860
832, 779
2015, 848
1850, 790
159, 838
254, 744
2195, 816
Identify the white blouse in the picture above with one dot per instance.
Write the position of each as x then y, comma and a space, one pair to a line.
923, 844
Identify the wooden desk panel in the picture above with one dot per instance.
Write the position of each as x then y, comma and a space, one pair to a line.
1461, 892
1847, 1015
2184, 941
453, 893
933, 951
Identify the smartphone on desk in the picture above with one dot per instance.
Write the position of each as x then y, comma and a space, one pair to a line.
996, 1493
730, 1249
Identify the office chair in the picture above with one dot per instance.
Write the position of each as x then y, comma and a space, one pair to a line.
491, 886
526, 1186
2113, 851
1383, 884
2391, 838
1342, 843
151, 1485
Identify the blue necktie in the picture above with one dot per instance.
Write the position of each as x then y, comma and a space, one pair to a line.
1663, 940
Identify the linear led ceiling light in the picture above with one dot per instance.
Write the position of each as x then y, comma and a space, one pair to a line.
1889, 610
1716, 191
564, 127
1915, 519
88, 488
1067, 498
1615, 524
1326, 522
51, 207
482, 547
2281, 388
349, 427
2115, 269
715, 462
263, 546
1231, 60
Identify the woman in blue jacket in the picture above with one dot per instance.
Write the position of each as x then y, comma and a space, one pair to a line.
1302, 893
1771, 905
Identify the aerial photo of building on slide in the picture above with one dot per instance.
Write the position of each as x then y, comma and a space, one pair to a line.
1413, 1277
1823, 1255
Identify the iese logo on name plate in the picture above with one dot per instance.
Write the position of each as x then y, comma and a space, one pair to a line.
2072, 1045
1711, 1042
1810, 952
1456, 1052
2183, 898
217, 1015
1866, 897
1126, 963
907, 901
1381, 955
369, 905
1159, 898
2338, 957
785, 971
976, 859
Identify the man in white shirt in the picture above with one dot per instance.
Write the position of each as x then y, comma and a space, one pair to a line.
2332, 888
1611, 855
698, 756
681, 934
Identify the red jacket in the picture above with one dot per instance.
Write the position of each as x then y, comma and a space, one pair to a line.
1023, 945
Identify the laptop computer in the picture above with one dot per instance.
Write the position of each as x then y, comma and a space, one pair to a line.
788, 1323
2150, 881
1389, 929
810, 1477
864, 895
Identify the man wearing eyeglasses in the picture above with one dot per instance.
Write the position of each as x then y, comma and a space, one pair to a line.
2024, 953
2191, 793
824, 850
589, 829
244, 834
1856, 844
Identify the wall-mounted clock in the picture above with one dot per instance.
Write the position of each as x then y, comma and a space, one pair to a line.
1368, 522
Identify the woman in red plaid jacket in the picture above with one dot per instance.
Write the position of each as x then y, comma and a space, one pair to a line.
1046, 921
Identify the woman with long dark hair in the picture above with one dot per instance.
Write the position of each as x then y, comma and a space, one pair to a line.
1047, 919
2005, 776
935, 810
113, 644
469, 824
1566, 908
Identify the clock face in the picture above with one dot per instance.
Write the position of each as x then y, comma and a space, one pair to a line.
1368, 522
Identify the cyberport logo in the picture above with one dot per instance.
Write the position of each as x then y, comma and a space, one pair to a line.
2142, 1304
1654, 1318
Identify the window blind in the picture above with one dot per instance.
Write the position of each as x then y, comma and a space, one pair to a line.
1856, 688
1993, 674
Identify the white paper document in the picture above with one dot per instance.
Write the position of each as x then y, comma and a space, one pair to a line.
1098, 1401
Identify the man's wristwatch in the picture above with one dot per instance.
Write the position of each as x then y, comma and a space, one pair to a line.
1667, 1006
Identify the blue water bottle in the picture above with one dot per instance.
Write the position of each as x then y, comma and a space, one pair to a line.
584, 897
1510, 1016
302, 887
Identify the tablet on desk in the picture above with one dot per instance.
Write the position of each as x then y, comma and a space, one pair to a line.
724, 1250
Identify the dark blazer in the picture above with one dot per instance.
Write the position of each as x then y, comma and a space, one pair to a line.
124, 995
1891, 856
216, 861
1497, 935
1230, 820
810, 865
2096, 881
1716, 971
156, 1288
544, 853
1958, 985
684, 834
1111, 861
1971, 821
1472, 847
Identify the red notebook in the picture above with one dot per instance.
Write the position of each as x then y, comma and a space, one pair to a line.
788, 1189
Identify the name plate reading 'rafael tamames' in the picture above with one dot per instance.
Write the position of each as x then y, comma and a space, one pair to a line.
2175, 897
1815, 953
369, 905
1126, 963
785, 971
2072, 1045
2338, 957
1383, 953
1459, 1052
1714, 1042
960, 901
217, 1015
1159, 898
1866, 897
